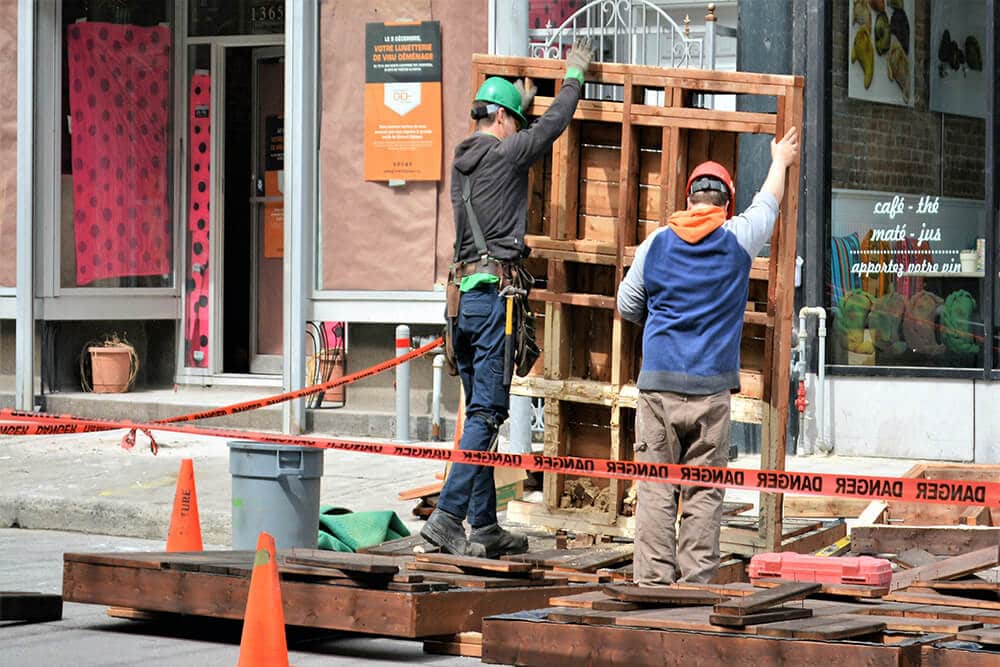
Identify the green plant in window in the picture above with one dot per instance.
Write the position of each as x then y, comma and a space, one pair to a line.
956, 314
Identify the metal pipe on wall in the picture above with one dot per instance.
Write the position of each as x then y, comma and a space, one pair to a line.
24, 390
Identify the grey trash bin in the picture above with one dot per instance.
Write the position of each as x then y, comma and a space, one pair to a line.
275, 489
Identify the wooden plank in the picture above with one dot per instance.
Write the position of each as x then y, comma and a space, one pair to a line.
770, 616
30, 607
767, 598
963, 585
939, 541
402, 546
839, 590
575, 299
949, 568
420, 491
588, 559
819, 507
910, 624
660, 595
976, 516
479, 581
946, 600
479, 564
988, 636
346, 562
824, 629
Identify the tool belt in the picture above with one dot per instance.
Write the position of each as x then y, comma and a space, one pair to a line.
511, 273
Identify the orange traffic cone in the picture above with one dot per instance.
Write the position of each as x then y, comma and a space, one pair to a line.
263, 641
185, 528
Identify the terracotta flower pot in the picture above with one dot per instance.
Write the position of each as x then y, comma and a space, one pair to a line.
111, 368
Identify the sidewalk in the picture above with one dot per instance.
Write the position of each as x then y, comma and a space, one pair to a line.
88, 483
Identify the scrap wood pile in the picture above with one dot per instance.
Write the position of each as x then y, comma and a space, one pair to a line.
929, 613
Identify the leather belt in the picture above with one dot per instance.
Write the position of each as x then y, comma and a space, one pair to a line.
491, 266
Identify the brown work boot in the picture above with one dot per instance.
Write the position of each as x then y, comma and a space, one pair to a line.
446, 532
498, 542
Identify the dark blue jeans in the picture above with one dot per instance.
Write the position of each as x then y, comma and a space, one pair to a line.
479, 353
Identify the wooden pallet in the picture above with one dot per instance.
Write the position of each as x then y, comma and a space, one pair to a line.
350, 592
616, 174
596, 629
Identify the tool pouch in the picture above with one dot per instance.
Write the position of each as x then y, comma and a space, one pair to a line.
452, 298
526, 350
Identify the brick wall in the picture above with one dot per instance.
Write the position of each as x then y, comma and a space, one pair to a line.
900, 149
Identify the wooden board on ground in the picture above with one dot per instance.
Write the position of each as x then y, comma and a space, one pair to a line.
766, 599
747, 542
589, 559
918, 558
660, 595
825, 628
468, 563
403, 546
939, 599
988, 636
465, 644
30, 607
948, 568
839, 590
759, 618
345, 562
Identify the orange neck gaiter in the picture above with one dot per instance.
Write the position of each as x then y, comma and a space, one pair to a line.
695, 224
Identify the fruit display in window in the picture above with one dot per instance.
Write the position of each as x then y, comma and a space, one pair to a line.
860, 12
849, 324
882, 34
918, 323
864, 53
885, 321
899, 68
956, 315
899, 26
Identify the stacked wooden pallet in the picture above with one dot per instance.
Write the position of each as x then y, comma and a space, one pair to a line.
718, 624
615, 175
393, 596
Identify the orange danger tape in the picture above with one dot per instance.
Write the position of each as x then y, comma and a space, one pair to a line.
909, 489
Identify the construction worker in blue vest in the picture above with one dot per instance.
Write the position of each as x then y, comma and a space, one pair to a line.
489, 194
688, 287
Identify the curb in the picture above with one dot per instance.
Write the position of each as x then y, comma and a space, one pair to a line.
103, 517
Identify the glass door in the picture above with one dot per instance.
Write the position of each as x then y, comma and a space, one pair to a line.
267, 210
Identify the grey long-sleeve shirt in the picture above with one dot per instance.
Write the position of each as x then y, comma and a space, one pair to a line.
500, 178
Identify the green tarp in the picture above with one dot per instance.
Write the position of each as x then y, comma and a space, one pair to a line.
343, 530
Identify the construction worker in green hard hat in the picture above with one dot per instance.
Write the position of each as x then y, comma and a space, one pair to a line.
489, 195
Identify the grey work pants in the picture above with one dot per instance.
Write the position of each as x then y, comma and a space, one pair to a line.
679, 428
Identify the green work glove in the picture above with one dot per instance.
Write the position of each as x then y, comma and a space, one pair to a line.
527, 96
578, 60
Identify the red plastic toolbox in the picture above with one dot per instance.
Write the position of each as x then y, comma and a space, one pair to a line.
859, 570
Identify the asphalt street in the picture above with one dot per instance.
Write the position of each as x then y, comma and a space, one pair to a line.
31, 560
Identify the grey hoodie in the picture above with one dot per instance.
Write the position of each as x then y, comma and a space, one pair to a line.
500, 179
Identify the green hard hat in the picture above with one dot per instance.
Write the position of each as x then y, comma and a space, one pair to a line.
497, 90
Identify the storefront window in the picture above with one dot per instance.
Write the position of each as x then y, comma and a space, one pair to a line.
116, 222
908, 224
235, 17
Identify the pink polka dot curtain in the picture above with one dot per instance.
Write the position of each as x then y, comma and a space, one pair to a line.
119, 94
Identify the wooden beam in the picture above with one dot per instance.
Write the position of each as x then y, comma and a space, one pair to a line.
949, 568
939, 541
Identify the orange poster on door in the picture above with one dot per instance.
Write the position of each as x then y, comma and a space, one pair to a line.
274, 166
403, 101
